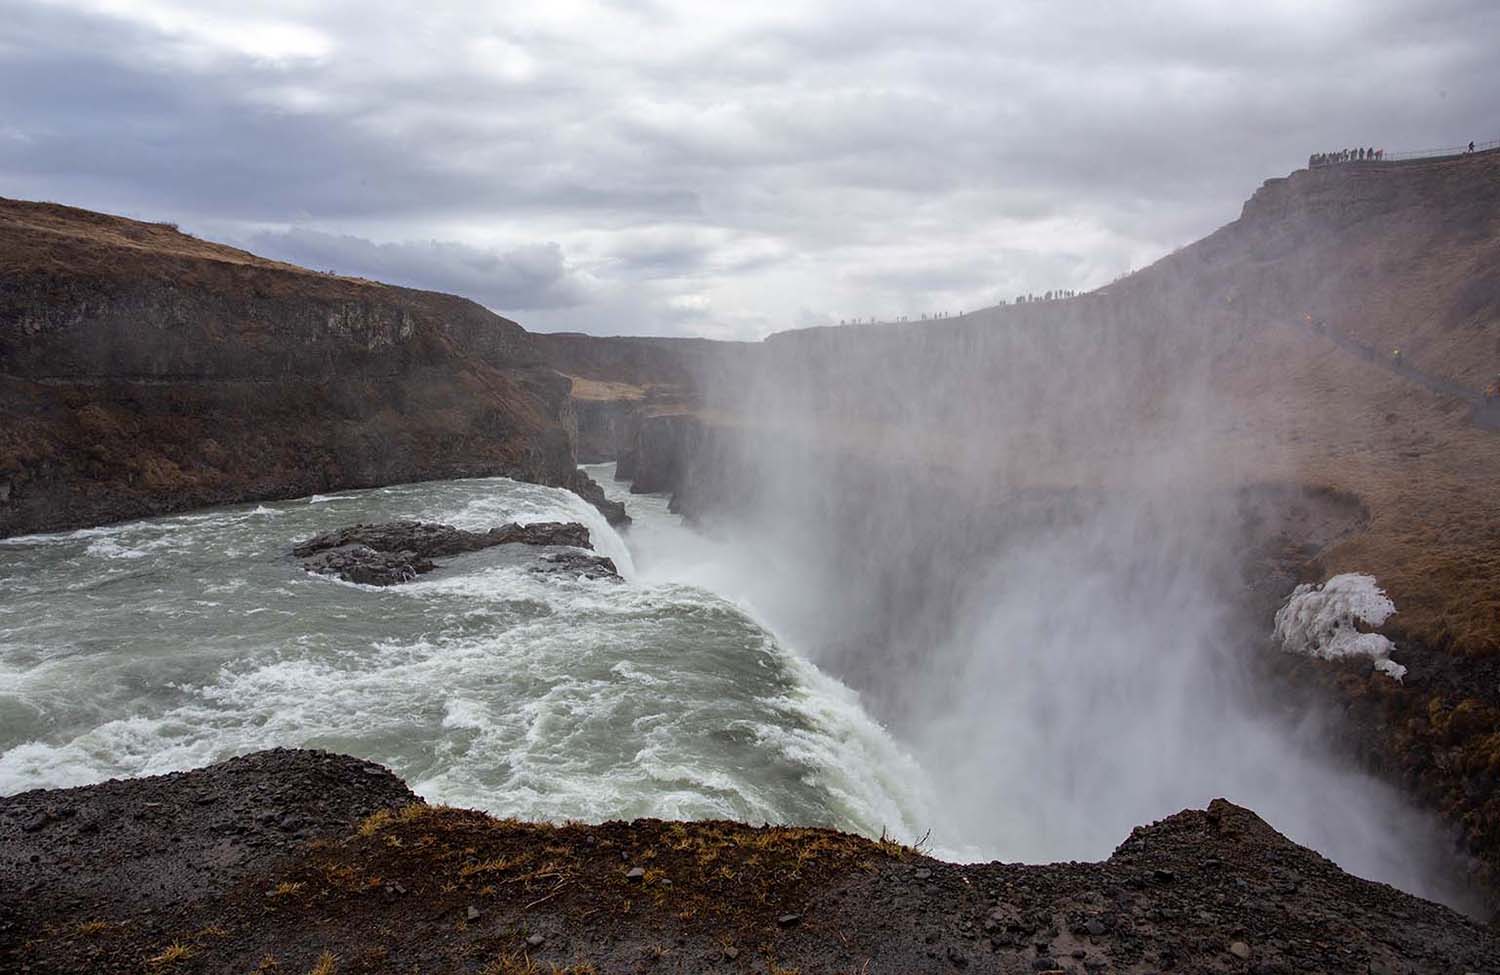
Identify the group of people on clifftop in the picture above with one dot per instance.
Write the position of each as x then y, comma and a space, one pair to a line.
1344, 155
1371, 154
1056, 295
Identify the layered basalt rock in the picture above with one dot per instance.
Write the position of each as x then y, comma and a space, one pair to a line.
143, 371
665, 448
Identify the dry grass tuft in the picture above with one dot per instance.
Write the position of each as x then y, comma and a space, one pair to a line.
512, 964
382, 818
602, 390
171, 954
448, 860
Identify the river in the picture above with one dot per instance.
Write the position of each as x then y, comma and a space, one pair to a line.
173, 642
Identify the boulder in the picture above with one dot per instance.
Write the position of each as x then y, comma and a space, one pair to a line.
366, 566
399, 551
578, 564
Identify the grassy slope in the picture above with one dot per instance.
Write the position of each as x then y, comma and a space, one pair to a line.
1403, 258
52, 233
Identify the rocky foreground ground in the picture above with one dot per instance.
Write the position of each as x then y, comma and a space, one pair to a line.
304, 861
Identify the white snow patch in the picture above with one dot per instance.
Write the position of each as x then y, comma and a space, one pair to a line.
1390, 668
1319, 621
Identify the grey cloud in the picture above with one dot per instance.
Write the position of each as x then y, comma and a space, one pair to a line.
809, 161
527, 278
98, 107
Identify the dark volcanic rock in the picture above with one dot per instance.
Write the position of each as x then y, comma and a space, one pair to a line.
431, 540
367, 566
578, 563
228, 883
171, 839
589, 490
606, 428
664, 445
399, 551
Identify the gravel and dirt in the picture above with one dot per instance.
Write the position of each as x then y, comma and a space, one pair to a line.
304, 861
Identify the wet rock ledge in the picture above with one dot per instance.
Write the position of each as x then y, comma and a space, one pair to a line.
399, 551
298, 861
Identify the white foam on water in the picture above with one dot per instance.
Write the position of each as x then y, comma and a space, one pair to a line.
528, 504
108, 548
123, 747
57, 538
855, 758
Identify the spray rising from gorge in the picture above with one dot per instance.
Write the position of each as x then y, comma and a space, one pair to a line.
1042, 596
1026, 540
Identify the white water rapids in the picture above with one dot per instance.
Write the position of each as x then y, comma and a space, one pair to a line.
174, 642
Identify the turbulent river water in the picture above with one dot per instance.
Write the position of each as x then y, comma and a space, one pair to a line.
174, 642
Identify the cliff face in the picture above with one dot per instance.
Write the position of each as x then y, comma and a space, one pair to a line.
666, 449
627, 390
678, 367
607, 428
143, 371
1286, 320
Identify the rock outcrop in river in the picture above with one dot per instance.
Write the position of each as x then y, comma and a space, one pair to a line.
399, 551
300, 860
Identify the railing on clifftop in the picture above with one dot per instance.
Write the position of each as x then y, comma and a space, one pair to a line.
1446, 152
1462, 150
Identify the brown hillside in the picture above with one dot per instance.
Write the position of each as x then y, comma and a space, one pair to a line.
1295, 307
1398, 257
144, 371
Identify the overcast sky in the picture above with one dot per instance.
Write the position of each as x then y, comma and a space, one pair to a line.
715, 169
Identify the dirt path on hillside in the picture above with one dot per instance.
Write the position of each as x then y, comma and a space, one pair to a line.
1485, 413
